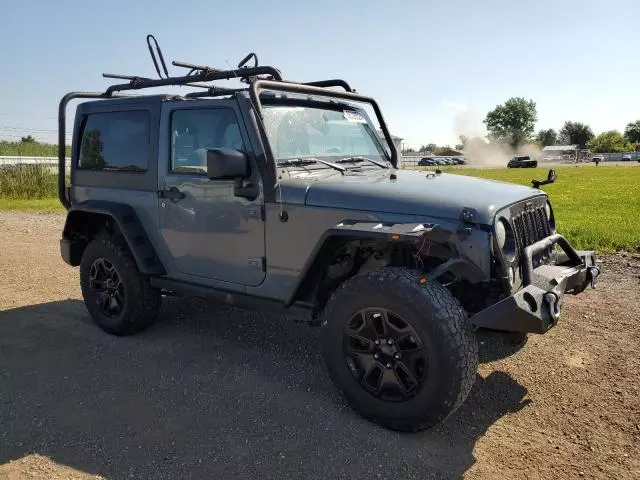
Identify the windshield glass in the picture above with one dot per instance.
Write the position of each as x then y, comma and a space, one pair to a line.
306, 131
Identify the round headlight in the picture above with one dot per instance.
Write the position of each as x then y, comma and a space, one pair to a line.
505, 239
501, 234
549, 212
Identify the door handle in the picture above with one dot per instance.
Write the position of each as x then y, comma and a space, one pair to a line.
172, 194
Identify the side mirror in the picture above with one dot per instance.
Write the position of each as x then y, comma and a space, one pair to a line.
226, 163
551, 177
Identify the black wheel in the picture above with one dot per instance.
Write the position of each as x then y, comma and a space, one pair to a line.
117, 296
401, 351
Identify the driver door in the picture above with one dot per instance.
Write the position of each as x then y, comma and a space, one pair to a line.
210, 233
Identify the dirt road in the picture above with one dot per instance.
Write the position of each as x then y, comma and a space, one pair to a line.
213, 392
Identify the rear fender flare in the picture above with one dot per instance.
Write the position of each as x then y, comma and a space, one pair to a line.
127, 222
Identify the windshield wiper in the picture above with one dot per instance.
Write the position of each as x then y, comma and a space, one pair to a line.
297, 162
310, 161
361, 159
332, 165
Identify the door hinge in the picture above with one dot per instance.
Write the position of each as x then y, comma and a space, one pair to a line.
256, 212
257, 262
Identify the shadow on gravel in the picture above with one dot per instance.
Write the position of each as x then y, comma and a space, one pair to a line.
209, 392
496, 345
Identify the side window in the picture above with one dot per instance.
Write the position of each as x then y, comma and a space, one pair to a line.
195, 131
115, 141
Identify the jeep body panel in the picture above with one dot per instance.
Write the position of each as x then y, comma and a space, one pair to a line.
137, 191
411, 192
290, 254
210, 232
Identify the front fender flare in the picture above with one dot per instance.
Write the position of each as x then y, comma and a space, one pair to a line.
412, 232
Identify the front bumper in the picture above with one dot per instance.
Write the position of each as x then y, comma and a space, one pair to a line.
536, 307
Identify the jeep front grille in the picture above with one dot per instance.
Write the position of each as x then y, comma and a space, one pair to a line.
530, 224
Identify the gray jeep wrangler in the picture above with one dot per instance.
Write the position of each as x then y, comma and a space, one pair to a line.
283, 196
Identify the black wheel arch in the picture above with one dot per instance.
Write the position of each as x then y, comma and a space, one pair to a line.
87, 218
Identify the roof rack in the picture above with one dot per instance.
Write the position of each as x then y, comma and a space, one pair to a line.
205, 73
214, 91
196, 73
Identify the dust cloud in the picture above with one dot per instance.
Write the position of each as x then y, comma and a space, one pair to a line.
478, 151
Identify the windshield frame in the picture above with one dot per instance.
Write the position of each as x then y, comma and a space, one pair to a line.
370, 131
260, 84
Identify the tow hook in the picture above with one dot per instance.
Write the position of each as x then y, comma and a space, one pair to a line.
592, 275
552, 301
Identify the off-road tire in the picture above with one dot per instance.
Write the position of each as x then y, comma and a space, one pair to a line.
141, 300
440, 322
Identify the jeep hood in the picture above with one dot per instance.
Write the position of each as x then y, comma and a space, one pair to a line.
411, 193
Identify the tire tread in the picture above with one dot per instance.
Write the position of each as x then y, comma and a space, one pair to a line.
146, 299
451, 317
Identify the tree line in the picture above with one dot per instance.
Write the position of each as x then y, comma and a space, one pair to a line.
513, 124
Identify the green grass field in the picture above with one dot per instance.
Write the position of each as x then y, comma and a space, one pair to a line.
596, 207
32, 205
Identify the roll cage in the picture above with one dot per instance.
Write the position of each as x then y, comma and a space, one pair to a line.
257, 77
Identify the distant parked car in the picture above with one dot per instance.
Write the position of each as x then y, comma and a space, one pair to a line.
626, 157
522, 162
427, 162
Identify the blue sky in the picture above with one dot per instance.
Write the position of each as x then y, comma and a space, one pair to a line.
436, 68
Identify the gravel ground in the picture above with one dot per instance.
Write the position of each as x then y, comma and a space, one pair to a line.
213, 392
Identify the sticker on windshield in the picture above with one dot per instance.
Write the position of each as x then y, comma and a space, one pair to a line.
353, 116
